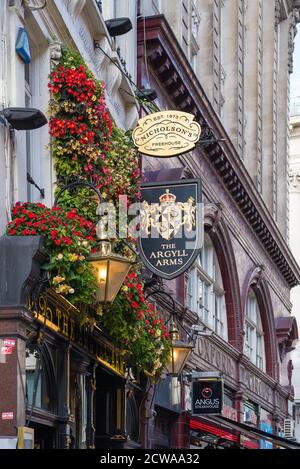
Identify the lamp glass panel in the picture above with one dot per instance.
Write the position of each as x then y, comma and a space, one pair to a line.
117, 271
101, 275
178, 358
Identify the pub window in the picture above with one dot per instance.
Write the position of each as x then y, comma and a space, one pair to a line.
205, 292
251, 413
254, 346
28, 134
32, 143
37, 380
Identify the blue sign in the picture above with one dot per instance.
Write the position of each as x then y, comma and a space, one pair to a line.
22, 46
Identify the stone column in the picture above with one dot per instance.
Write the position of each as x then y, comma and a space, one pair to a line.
20, 261
14, 324
91, 388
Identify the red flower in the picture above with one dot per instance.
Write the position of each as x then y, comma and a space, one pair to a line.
135, 305
12, 232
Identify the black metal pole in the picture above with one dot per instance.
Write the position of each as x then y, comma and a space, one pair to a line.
71, 185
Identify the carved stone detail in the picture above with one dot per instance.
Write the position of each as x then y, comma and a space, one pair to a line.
295, 179
294, 19
55, 52
277, 12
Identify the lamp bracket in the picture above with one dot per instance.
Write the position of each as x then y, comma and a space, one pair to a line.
33, 183
3, 121
206, 374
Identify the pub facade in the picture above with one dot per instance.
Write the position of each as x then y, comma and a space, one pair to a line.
238, 288
81, 384
66, 379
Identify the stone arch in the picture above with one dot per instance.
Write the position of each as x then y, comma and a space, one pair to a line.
216, 228
257, 282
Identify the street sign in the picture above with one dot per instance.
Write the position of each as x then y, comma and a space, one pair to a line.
171, 226
166, 133
207, 396
7, 416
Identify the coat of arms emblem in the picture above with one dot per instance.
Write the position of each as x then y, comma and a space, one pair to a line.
168, 216
171, 228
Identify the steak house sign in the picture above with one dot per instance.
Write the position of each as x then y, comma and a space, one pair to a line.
171, 228
166, 133
207, 396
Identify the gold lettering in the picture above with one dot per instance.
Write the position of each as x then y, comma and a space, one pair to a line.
72, 332
49, 314
65, 324
58, 315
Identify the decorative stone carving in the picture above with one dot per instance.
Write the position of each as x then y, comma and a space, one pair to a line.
277, 12
213, 212
294, 19
259, 275
290, 371
295, 179
55, 52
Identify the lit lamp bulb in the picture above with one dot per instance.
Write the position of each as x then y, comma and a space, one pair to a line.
174, 354
102, 275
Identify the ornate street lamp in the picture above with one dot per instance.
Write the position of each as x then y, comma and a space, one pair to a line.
110, 269
180, 349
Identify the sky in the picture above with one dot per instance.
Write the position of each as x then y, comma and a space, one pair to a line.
295, 77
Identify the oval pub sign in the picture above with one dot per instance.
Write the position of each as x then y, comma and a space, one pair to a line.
166, 133
171, 226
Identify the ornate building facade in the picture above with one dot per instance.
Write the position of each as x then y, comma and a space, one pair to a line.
242, 54
236, 288
239, 288
294, 237
62, 412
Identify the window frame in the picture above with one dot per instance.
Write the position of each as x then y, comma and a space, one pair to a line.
32, 98
253, 323
203, 303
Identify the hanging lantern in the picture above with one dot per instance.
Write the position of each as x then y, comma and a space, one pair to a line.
179, 352
110, 271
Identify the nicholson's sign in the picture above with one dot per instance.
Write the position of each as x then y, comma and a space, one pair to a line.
171, 226
207, 396
166, 133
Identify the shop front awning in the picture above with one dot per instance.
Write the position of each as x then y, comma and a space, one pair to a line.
238, 433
